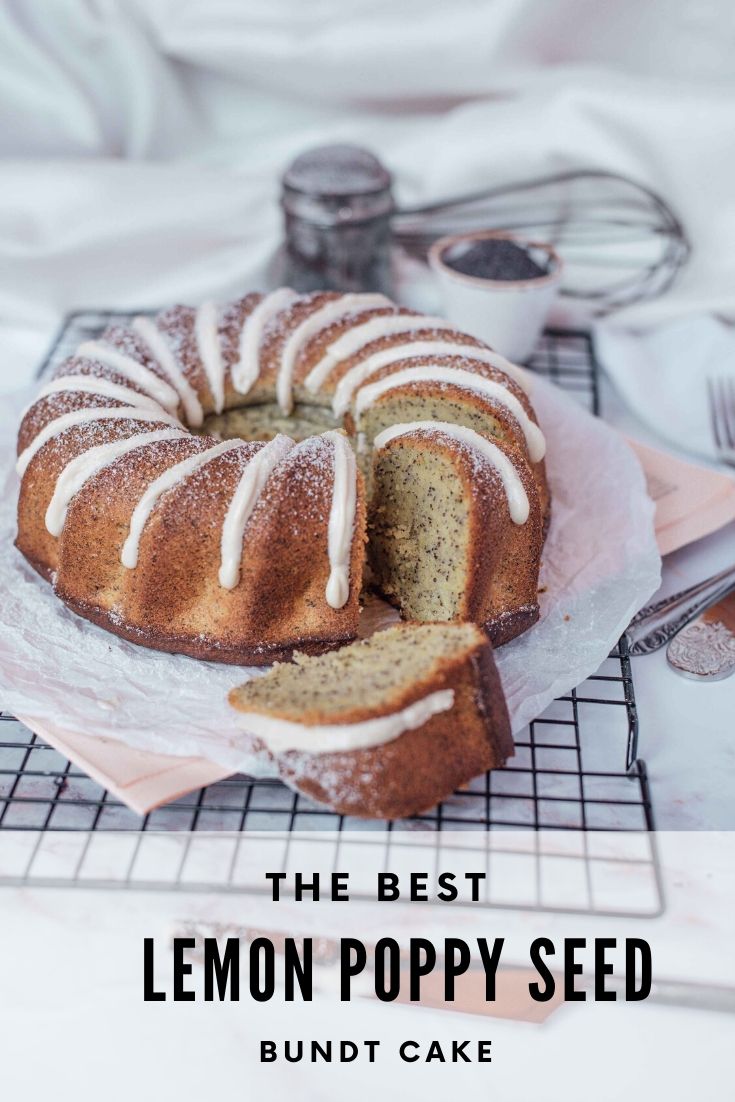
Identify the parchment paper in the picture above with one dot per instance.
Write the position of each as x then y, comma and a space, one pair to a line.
600, 566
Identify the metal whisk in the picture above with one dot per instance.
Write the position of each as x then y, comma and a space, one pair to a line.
621, 242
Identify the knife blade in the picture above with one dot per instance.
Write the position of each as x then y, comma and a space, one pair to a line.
657, 624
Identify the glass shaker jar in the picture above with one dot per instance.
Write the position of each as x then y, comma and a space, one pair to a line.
337, 205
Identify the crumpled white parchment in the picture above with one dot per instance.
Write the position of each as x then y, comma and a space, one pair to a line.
600, 565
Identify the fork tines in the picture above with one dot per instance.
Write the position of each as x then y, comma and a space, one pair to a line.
721, 393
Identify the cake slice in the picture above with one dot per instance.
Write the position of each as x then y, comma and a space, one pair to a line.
385, 727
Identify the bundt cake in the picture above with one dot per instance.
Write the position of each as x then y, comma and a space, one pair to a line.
386, 727
194, 481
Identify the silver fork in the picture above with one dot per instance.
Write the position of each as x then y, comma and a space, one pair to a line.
721, 392
657, 624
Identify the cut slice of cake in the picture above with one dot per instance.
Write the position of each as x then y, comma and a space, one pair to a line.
386, 727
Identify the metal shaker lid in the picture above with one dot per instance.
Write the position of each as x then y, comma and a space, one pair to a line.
336, 184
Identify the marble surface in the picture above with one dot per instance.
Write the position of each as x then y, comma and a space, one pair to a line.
73, 1017
687, 728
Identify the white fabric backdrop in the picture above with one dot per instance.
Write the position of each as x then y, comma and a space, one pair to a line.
141, 140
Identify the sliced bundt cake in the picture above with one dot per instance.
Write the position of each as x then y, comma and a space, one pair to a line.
386, 727
187, 483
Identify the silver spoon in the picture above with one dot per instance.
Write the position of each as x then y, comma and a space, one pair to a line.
705, 649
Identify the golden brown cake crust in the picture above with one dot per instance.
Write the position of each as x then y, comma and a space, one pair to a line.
208, 649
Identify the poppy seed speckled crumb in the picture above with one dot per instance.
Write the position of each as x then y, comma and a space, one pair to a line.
379, 677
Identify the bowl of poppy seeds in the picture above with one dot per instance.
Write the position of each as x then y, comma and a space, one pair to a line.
498, 286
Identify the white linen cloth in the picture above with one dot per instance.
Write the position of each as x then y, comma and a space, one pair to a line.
662, 376
142, 140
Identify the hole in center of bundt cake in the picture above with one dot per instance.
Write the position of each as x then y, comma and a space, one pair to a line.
263, 422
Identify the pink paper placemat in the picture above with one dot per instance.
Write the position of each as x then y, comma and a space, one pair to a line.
140, 779
691, 501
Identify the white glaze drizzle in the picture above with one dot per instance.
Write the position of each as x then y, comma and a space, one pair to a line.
246, 371
156, 342
89, 463
357, 338
515, 492
159, 486
244, 500
341, 519
142, 376
326, 315
206, 328
357, 375
82, 417
281, 735
92, 384
489, 388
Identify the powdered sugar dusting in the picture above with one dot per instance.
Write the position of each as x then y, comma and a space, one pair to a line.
600, 565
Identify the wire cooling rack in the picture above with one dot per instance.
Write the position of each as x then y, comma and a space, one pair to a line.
576, 770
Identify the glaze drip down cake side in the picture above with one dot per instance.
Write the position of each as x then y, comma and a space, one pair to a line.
212, 481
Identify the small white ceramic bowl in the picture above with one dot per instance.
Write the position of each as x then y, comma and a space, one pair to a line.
508, 314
